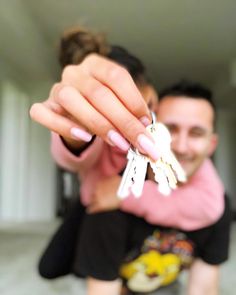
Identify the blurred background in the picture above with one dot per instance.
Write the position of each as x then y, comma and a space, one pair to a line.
175, 39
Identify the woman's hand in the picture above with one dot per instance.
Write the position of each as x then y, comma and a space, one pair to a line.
97, 97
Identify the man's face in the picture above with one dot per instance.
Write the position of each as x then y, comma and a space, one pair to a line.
190, 122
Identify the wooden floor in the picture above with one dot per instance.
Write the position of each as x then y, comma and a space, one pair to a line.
21, 245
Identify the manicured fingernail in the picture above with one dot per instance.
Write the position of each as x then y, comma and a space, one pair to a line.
118, 140
145, 121
148, 146
80, 134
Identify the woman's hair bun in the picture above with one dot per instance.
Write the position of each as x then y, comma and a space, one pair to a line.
76, 43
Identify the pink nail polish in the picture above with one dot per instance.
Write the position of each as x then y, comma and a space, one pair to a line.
145, 121
118, 140
148, 146
80, 134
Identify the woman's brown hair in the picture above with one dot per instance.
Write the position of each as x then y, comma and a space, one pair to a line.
78, 42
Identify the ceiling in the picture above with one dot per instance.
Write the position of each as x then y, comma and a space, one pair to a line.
193, 39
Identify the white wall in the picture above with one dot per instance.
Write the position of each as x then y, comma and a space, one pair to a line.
225, 157
27, 190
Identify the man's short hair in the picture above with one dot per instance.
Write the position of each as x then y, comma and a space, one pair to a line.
189, 89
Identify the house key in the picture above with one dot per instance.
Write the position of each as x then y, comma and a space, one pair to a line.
167, 170
134, 174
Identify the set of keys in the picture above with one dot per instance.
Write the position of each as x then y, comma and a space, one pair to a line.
167, 170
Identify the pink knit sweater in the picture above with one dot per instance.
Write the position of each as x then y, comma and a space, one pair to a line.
191, 206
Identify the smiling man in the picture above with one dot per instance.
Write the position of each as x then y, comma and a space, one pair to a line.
187, 109
189, 113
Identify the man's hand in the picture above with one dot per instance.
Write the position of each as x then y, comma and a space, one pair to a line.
105, 195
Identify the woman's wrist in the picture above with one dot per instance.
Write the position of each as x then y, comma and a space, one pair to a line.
76, 146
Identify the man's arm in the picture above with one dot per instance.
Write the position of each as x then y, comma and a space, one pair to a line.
203, 279
193, 205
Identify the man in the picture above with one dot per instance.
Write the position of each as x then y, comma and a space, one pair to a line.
188, 111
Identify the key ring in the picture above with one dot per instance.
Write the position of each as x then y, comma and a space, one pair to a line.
153, 115
154, 118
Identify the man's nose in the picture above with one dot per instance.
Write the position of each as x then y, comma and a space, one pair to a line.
180, 144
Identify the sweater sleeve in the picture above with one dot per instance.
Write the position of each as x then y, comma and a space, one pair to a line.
67, 160
191, 206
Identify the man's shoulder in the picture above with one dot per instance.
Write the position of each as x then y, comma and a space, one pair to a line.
227, 216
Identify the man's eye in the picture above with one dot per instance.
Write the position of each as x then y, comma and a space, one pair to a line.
172, 129
197, 133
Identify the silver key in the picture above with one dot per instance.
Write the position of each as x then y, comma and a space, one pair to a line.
126, 181
139, 177
160, 178
134, 175
177, 168
162, 138
167, 169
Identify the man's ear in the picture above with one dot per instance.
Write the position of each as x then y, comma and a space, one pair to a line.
213, 144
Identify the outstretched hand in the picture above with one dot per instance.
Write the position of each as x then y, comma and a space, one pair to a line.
97, 97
